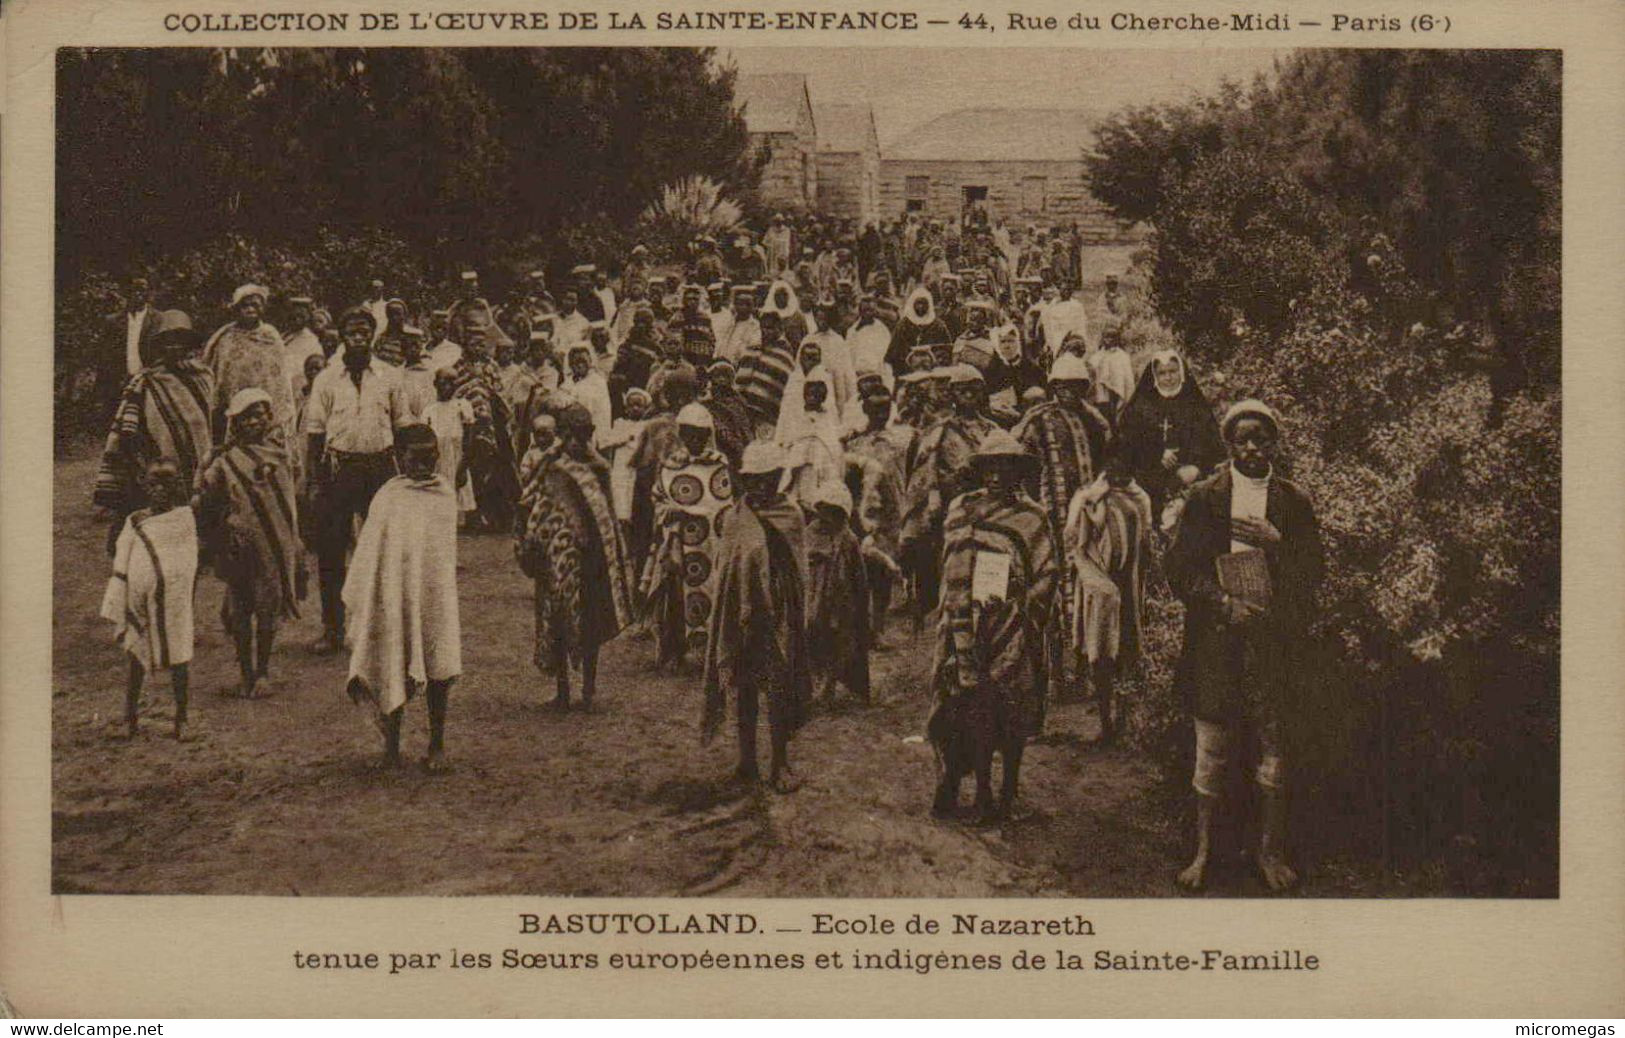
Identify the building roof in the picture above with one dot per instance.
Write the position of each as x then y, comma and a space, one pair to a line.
981, 134
771, 101
845, 127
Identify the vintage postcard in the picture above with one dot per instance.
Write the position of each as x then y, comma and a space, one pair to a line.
670, 510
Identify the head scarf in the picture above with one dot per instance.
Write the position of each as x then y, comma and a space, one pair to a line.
795, 422
1151, 372
244, 291
243, 399
913, 318
791, 305
696, 416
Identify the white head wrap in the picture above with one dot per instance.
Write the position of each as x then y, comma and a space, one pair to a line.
243, 399
244, 291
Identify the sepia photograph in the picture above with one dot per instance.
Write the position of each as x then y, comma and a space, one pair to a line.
807, 472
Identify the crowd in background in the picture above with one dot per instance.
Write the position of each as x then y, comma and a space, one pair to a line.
758, 452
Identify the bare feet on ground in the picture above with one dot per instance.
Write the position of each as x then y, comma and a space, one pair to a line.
1193, 876
1278, 875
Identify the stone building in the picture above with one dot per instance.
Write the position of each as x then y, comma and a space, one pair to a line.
848, 161
779, 117
1019, 165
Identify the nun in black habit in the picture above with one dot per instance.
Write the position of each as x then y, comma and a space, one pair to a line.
1169, 430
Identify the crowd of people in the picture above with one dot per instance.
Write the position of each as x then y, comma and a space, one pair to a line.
769, 453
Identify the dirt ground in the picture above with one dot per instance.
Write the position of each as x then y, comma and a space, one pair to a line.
279, 796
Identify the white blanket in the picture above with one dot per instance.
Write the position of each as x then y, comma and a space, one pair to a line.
400, 595
149, 596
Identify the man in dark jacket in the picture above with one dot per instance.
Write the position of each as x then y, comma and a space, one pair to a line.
1246, 561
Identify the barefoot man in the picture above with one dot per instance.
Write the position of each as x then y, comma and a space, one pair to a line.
401, 597
247, 514
758, 643
999, 569
571, 547
1246, 562
149, 596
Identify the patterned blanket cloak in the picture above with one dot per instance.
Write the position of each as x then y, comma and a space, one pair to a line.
689, 495
163, 413
251, 358
1067, 444
572, 548
838, 631
248, 515
877, 460
1004, 641
1108, 549
491, 465
939, 471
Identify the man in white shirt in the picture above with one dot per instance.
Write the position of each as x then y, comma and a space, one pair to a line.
355, 408
1244, 664
570, 325
140, 324
1066, 316
739, 331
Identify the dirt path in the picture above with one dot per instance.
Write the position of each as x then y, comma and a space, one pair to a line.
278, 796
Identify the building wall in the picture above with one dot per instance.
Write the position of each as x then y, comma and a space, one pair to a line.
870, 180
849, 184
840, 184
790, 177
1018, 191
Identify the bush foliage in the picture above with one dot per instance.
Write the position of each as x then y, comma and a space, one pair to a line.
1369, 241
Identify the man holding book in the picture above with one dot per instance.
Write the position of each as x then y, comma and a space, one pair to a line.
1246, 561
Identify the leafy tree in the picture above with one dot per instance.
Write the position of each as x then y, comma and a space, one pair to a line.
1451, 159
461, 151
1141, 152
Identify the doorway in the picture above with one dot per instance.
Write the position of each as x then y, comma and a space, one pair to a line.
973, 204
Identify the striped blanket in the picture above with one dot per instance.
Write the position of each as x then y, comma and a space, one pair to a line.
149, 596
1108, 547
163, 413
249, 517
1060, 438
761, 377
1004, 642
940, 470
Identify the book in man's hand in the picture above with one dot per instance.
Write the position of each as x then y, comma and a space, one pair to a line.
1245, 575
